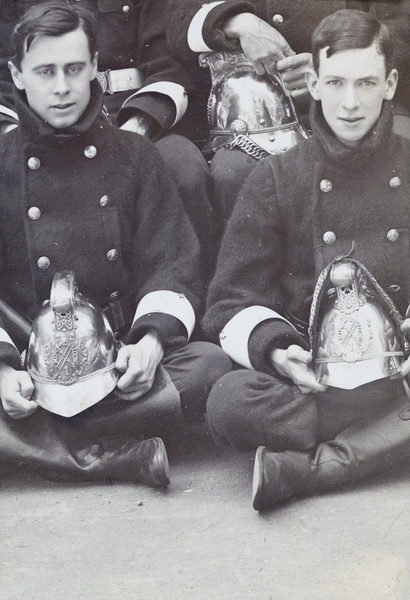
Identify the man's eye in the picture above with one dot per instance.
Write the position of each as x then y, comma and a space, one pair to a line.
75, 69
45, 72
367, 83
334, 82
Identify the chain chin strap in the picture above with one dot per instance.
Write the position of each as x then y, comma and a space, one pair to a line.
244, 143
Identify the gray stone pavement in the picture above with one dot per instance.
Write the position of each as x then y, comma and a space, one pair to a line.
200, 539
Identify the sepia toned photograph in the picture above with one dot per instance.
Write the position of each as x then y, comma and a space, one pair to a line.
205, 299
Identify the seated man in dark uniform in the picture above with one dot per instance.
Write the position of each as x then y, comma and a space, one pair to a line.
275, 36
80, 194
343, 192
146, 91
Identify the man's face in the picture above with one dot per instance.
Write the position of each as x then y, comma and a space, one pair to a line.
351, 86
56, 74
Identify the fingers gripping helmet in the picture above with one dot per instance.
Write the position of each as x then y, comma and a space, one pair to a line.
354, 327
72, 351
248, 111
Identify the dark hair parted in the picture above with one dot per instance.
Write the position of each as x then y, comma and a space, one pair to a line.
350, 29
52, 19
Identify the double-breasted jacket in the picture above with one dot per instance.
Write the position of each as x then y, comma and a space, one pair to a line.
295, 214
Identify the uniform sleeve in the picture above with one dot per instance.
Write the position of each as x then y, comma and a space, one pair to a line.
167, 83
7, 110
8, 352
165, 252
242, 306
197, 26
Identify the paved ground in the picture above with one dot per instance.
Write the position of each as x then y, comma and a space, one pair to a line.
201, 539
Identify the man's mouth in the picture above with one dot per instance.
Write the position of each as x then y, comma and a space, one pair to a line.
63, 106
351, 120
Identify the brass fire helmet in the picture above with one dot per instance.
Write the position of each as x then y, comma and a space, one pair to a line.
248, 111
354, 328
72, 351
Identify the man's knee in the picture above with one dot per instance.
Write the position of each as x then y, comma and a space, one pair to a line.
184, 160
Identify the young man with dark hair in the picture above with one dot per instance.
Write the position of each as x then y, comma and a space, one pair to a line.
274, 35
79, 194
343, 190
147, 91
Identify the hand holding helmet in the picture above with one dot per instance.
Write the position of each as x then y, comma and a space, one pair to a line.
262, 44
138, 363
16, 389
295, 363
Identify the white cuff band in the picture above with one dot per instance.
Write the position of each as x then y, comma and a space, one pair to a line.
194, 37
235, 335
169, 303
4, 337
7, 111
175, 91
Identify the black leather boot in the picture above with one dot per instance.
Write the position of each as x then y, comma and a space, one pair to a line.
45, 445
354, 454
139, 462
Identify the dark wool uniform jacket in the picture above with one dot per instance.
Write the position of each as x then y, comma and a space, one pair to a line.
295, 20
130, 33
96, 200
295, 214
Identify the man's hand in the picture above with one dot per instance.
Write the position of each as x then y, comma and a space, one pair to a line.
294, 363
263, 45
16, 389
138, 363
293, 71
140, 123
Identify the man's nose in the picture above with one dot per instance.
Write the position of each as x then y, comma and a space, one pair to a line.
350, 98
60, 83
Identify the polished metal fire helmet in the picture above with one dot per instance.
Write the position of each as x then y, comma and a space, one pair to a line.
72, 351
248, 111
354, 328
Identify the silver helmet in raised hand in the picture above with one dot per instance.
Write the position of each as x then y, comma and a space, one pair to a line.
248, 111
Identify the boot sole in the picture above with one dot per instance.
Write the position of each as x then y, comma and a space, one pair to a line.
257, 483
161, 474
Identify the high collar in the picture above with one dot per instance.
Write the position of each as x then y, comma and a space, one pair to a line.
361, 155
34, 129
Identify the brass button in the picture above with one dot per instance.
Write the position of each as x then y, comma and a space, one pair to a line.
395, 183
112, 254
329, 237
43, 263
104, 200
33, 163
277, 20
90, 151
394, 289
34, 213
326, 185
393, 235
126, 9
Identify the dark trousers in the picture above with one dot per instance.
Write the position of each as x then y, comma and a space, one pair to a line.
247, 409
49, 444
190, 172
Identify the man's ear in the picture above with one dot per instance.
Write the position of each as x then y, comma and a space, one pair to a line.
94, 63
312, 80
391, 84
16, 75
